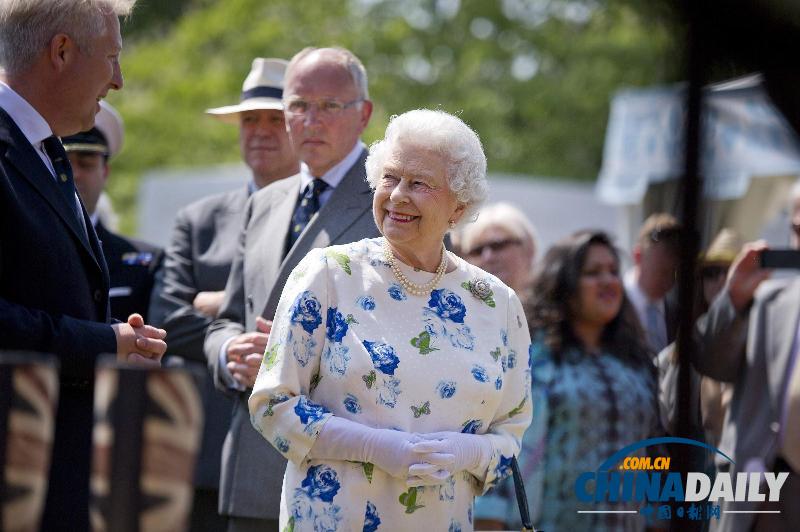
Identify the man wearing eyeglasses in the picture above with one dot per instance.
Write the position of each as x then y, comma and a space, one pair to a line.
327, 107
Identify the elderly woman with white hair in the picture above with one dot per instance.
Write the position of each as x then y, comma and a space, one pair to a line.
396, 379
501, 241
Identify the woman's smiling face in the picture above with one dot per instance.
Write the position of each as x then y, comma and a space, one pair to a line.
413, 203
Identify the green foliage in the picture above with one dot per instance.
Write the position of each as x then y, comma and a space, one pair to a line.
533, 77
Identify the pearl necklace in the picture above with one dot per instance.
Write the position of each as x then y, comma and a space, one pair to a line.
405, 282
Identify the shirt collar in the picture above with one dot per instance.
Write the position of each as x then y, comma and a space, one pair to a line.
335, 175
30, 122
637, 297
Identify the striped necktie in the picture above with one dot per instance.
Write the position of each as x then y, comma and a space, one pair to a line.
306, 208
66, 183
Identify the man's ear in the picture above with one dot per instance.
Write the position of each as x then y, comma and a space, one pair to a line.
637, 254
61, 50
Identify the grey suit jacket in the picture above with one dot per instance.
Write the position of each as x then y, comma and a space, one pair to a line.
199, 259
752, 351
252, 471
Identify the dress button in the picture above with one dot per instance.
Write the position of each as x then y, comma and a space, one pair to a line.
98, 295
775, 427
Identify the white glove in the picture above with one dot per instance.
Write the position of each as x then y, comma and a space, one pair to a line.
390, 450
460, 452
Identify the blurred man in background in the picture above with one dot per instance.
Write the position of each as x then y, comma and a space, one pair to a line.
189, 291
656, 255
751, 338
131, 263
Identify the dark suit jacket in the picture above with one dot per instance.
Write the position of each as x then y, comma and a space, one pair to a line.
752, 351
199, 259
54, 299
252, 471
132, 265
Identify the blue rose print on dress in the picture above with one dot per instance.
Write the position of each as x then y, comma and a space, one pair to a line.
383, 356
306, 312
455, 526
463, 338
321, 483
447, 490
351, 404
371, 518
282, 444
479, 372
308, 412
447, 305
504, 337
302, 347
336, 356
446, 389
472, 426
498, 383
314, 500
388, 392
366, 302
512, 359
397, 293
335, 325
503, 467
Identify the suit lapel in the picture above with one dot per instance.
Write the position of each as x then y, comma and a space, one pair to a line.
280, 219
23, 156
782, 328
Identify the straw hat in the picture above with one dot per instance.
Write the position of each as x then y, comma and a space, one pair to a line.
105, 137
262, 89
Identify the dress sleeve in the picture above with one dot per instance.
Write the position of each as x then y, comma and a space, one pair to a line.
514, 413
280, 405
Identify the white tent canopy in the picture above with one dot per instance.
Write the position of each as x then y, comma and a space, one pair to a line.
749, 156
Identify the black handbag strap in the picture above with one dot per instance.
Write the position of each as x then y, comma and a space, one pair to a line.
522, 499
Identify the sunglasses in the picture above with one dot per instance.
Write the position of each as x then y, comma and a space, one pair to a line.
496, 246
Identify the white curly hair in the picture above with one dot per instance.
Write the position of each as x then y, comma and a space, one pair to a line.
447, 135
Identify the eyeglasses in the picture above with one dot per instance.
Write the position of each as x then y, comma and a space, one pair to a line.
325, 108
496, 246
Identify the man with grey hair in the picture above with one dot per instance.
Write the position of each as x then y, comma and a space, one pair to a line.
59, 59
327, 107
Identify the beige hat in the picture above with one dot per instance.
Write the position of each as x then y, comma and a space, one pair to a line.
723, 249
262, 89
105, 137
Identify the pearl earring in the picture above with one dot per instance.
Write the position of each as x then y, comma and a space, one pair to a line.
452, 224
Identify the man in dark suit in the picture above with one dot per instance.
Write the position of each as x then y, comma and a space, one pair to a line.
53, 278
329, 202
190, 288
751, 338
131, 263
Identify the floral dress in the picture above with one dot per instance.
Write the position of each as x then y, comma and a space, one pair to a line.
348, 341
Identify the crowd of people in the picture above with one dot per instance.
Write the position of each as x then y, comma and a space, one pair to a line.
378, 344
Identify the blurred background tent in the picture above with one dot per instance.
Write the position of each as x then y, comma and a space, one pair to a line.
749, 158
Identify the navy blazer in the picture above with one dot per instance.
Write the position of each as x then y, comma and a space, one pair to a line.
53, 299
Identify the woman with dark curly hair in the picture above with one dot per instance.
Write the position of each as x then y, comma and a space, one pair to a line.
594, 388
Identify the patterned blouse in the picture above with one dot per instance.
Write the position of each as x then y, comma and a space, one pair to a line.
348, 341
585, 409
